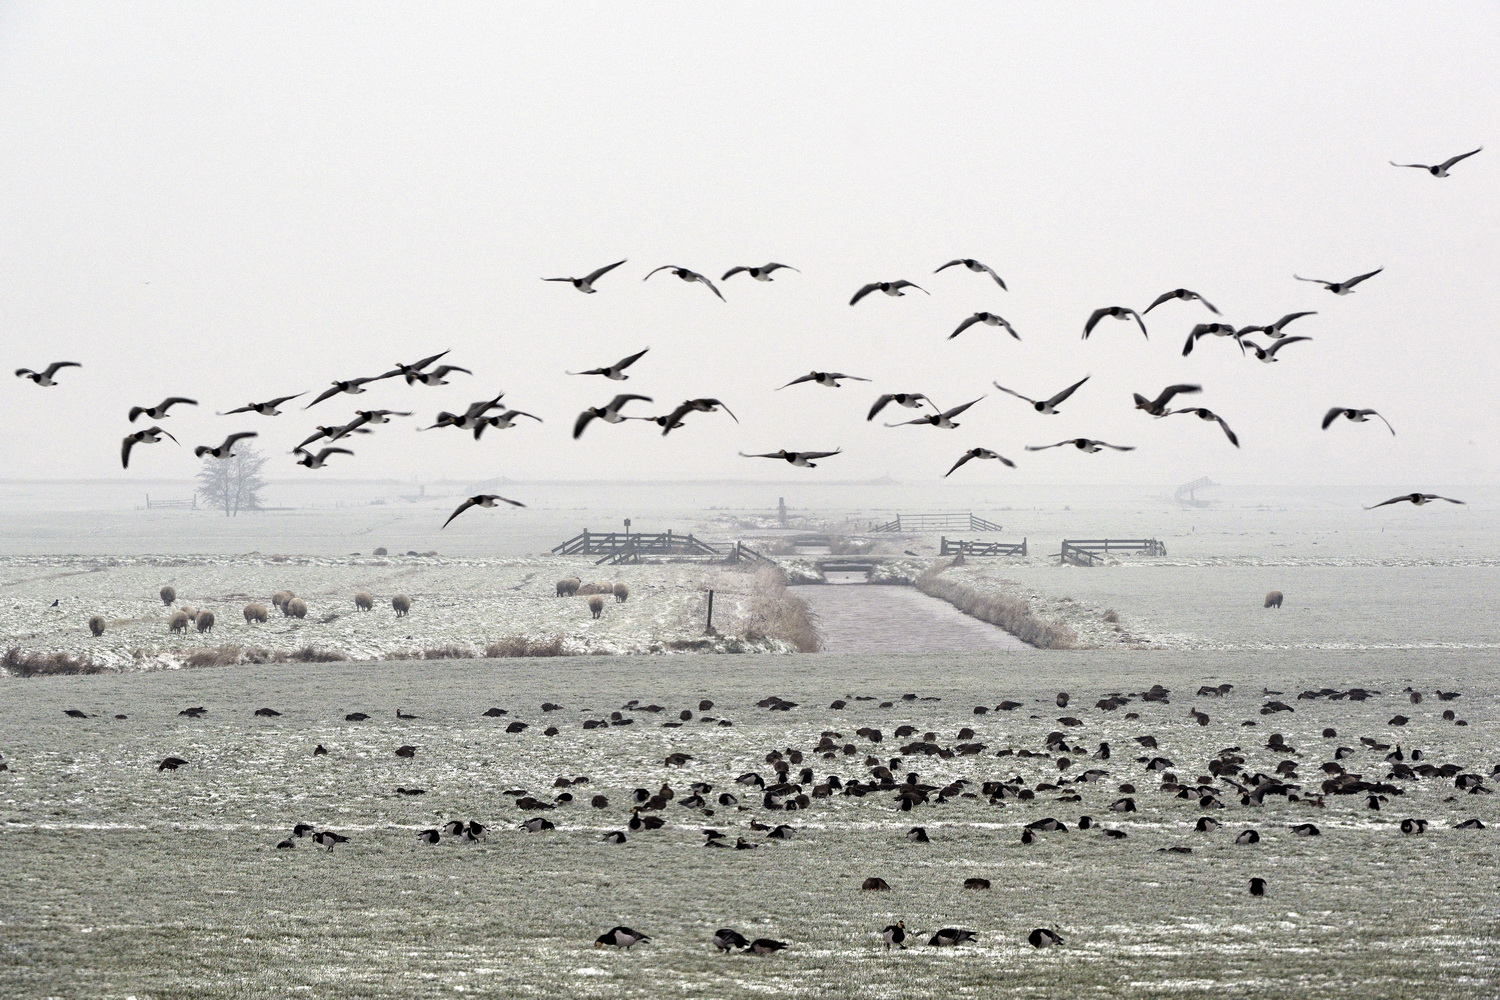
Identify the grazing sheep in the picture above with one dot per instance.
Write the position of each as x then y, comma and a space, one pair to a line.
279, 599
96, 625
402, 605
1273, 599
205, 621
178, 622
255, 613
568, 586
191, 612
363, 601
597, 587
168, 595
596, 606
295, 608
381, 551
622, 593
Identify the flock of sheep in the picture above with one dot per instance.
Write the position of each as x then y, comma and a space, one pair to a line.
571, 586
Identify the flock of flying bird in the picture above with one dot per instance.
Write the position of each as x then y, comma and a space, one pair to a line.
494, 414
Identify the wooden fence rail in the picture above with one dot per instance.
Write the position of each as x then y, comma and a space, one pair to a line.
592, 543
957, 546
1085, 551
936, 522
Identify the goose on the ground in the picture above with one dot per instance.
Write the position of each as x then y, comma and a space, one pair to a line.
1415, 498
616, 371
988, 319
828, 379
1115, 312
762, 273
1257, 887
948, 937
1276, 330
688, 275
585, 284
910, 400
303, 830
894, 934
726, 938
1211, 330
1341, 287
974, 266
609, 412
1182, 294
891, 288
1044, 937
159, 411
353, 386
917, 835
1247, 837
171, 764
286, 845
537, 824
801, 459
765, 946
1082, 444
266, 409
1047, 406
1204, 413
151, 435
620, 937
943, 419
269, 713
1438, 169
319, 460
429, 837
329, 839
44, 377
225, 450
614, 837
482, 500
1268, 354
1356, 416
671, 421
981, 453
1158, 407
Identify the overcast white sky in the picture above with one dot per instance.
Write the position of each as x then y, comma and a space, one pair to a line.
237, 201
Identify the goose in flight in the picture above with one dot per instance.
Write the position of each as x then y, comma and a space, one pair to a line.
1268, 354
586, 283
1356, 416
482, 500
1415, 498
502, 421
333, 433
1277, 329
1158, 407
974, 266
1116, 312
1082, 444
988, 319
1341, 287
801, 459
762, 273
616, 371
688, 275
974, 453
1048, 406
225, 450
1203, 413
266, 409
353, 386
159, 411
943, 419
910, 400
151, 435
1440, 169
321, 458
829, 379
673, 420
44, 377
469, 418
1184, 295
891, 288
380, 416
412, 370
1211, 330
434, 377
609, 413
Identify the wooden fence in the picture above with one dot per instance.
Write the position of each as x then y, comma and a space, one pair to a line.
957, 546
1085, 551
592, 543
189, 504
936, 522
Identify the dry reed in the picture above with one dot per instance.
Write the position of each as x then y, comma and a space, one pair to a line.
775, 612
1008, 611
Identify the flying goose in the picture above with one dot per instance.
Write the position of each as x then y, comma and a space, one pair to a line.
333, 433
762, 273
687, 275
353, 386
620, 937
469, 418
1211, 330
891, 288
829, 379
974, 266
151, 435
1203, 413
1341, 287
801, 459
434, 377
1415, 498
1184, 295
586, 283
988, 319
1117, 312
225, 450
673, 420
502, 421
1356, 416
609, 413
1048, 406
1438, 170
616, 371
1158, 407
974, 453
159, 411
266, 409
44, 377
1082, 444
482, 500
380, 416
319, 460
910, 400
1268, 354
943, 419
413, 369
1276, 330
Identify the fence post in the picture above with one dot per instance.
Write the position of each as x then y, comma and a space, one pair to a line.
708, 629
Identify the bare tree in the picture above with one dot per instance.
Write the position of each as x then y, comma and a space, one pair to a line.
235, 483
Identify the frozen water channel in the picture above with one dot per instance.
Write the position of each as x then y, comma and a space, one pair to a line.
894, 619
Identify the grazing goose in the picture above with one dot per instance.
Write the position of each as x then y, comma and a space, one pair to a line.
891, 288
1158, 407
1356, 416
319, 460
918, 835
286, 845
974, 453
329, 839
801, 459
159, 411
949, 937
829, 379
266, 409
170, 764
974, 266
687, 275
44, 377
1211, 330
585, 284
1184, 295
151, 435
673, 420
1044, 937
614, 837
303, 830
225, 450
1341, 287
1268, 354
620, 937
988, 319
765, 946
268, 713
1415, 498
894, 934
407, 751
1116, 312
429, 837
875, 884
762, 273
1277, 329
616, 371
726, 938
482, 500
1047, 406
1247, 837
1440, 169
1203, 413
74, 713
1082, 444
353, 386
910, 400
609, 413
537, 824
1257, 887
943, 419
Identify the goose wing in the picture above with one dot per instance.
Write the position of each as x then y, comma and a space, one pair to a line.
1094, 319
1124, 447
967, 456
1227, 432
1362, 277
881, 403
1334, 414
582, 422
130, 440
664, 267
1013, 392
459, 510
1068, 391
55, 366
1420, 166
1283, 342
1173, 390
1454, 159
949, 414
968, 322
836, 451
865, 290
809, 377
328, 393
1315, 281
909, 284
1044, 447
593, 276
622, 399
732, 272
1383, 421
626, 362
710, 284
1383, 503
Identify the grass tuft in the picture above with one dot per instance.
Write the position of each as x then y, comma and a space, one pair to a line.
1008, 611
520, 645
19, 663
773, 611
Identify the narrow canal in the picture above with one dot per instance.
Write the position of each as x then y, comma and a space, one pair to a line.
876, 618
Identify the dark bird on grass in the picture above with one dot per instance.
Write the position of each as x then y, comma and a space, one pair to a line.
286, 845
1440, 169
891, 288
726, 938
1158, 407
454, 827
988, 319
1415, 498
829, 379
159, 411
1277, 329
266, 409
974, 453
501, 421
948, 937
894, 934
429, 837
1044, 937
356, 717
225, 450
1257, 887
620, 937
762, 273
303, 830
1184, 295
537, 824
614, 837
801, 459
44, 377
1211, 330
943, 419
765, 946
408, 751
151, 435
1247, 837
1116, 312
74, 713
609, 413
673, 420
482, 500
170, 764
1048, 406
319, 460
585, 284
320, 750
1203, 413
918, 835
616, 371
974, 266
1268, 354
1082, 444
910, 400
1357, 416
1341, 287
687, 275
268, 713
330, 840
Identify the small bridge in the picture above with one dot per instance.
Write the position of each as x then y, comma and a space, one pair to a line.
1186, 493
957, 546
189, 504
1086, 551
936, 522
